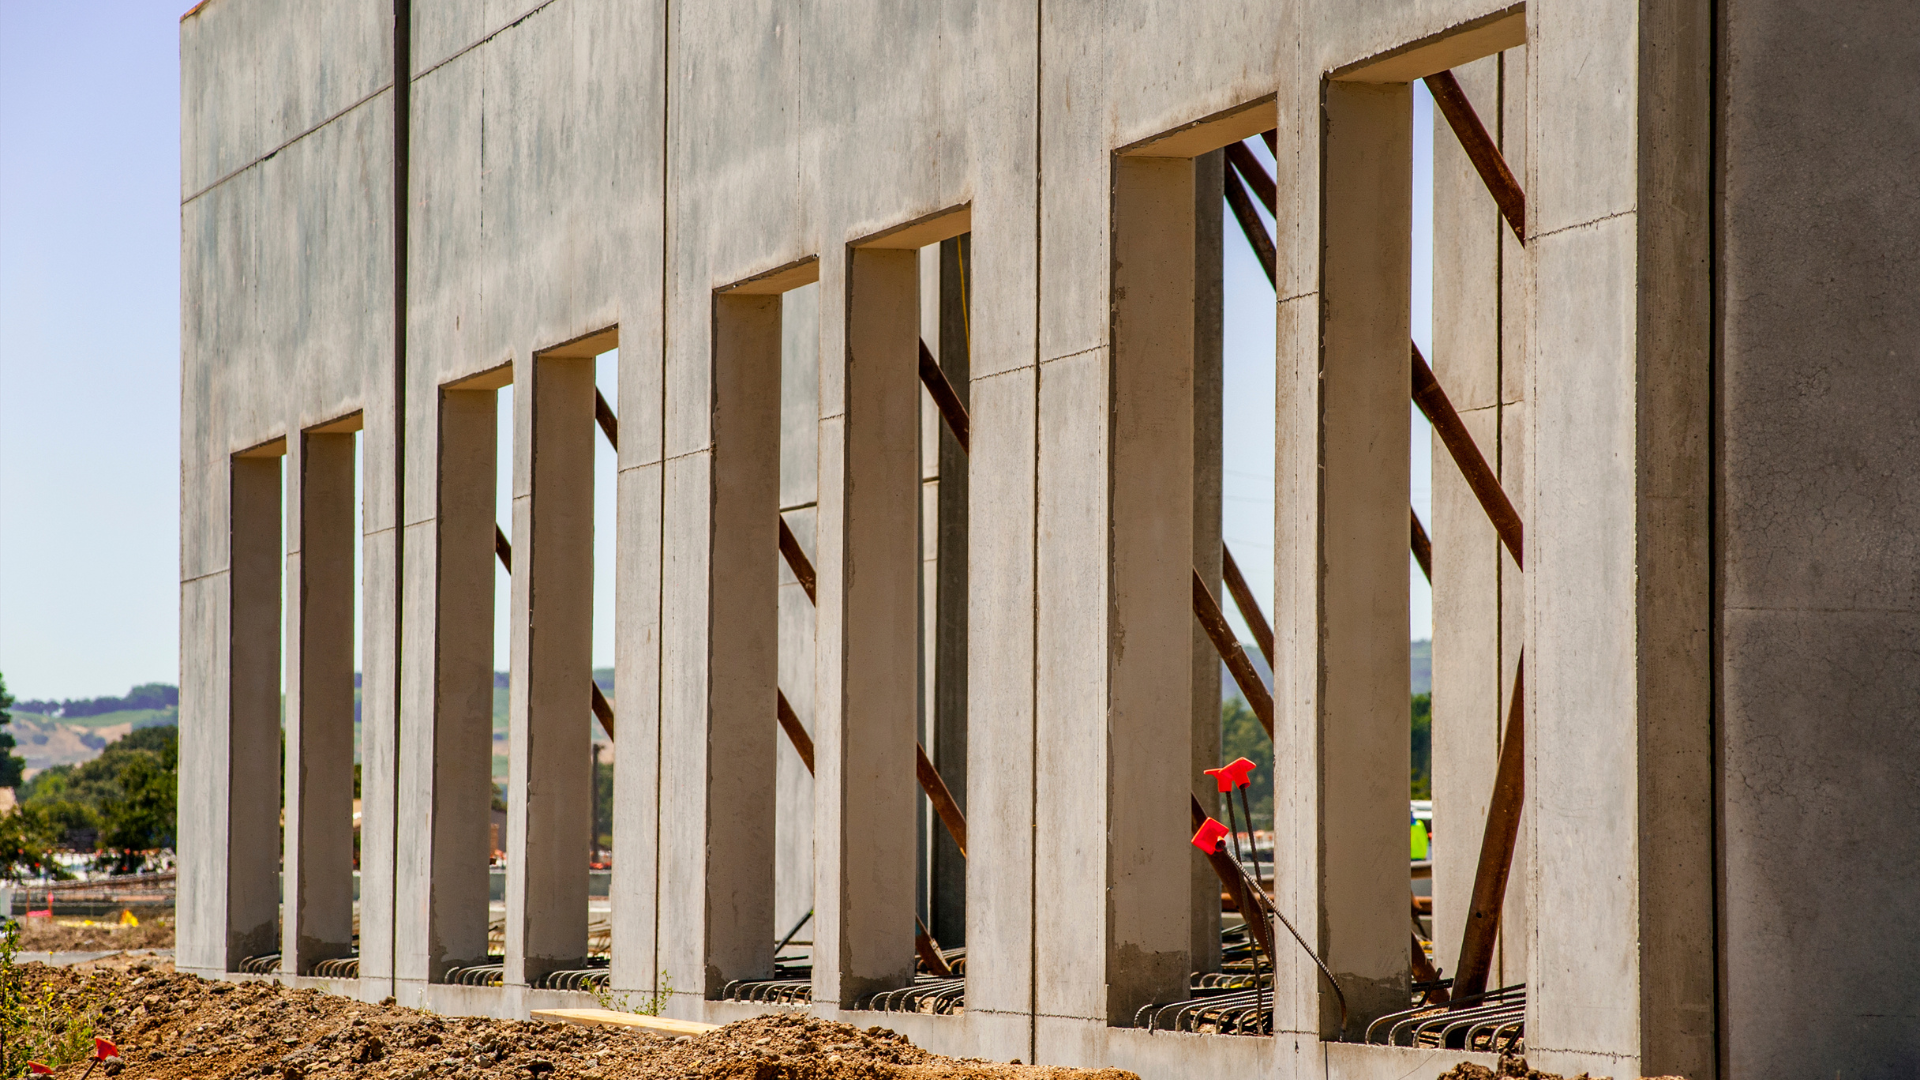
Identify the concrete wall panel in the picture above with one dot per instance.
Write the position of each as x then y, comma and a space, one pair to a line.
258, 75
1819, 572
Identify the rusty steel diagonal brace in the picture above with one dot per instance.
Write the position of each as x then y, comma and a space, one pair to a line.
503, 550
1249, 607
1207, 611
931, 782
1487, 160
1251, 226
1453, 433
1496, 848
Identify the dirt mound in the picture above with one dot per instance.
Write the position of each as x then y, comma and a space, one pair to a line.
1514, 1067
172, 1026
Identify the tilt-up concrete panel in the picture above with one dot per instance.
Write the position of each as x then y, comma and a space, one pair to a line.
1619, 713
1817, 558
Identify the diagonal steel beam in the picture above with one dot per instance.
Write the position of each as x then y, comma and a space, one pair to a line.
1250, 225
1249, 607
1480, 148
1497, 845
609, 424
1422, 546
1453, 433
1207, 611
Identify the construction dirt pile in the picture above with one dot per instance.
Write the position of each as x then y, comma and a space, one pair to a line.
1514, 1067
42, 934
169, 1025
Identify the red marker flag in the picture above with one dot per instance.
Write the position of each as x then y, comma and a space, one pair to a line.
1240, 769
38, 1069
102, 1049
1209, 836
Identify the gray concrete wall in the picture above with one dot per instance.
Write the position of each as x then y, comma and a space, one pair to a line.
582, 173
1819, 595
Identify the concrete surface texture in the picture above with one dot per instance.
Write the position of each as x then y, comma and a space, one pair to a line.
1691, 372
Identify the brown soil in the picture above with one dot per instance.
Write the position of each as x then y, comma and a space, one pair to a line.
48, 935
176, 1026
1513, 1067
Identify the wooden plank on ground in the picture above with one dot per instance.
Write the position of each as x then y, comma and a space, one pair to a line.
610, 1018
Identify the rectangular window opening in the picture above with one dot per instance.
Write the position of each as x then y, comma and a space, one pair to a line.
321, 832
946, 432
256, 732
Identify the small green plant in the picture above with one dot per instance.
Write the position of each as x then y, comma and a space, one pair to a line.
38, 1022
650, 1004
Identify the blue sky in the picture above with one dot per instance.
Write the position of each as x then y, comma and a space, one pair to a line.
89, 354
89, 345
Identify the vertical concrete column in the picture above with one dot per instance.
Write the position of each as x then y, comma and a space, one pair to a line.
1208, 385
318, 863
743, 643
454, 815
1619, 733
382, 635
948, 747
243, 765
637, 781
549, 707
1360, 654
864, 685
1003, 392
1149, 703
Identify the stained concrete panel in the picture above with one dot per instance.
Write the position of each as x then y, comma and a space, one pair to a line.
1816, 556
258, 75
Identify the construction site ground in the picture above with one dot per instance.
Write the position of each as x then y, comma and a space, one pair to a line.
173, 1026
170, 1026
66, 934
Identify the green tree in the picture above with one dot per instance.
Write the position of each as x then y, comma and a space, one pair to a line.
12, 765
123, 800
1241, 736
1421, 781
26, 837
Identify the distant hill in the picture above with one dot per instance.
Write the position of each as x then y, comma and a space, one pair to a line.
74, 731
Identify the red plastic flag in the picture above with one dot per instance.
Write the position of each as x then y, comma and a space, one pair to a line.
1209, 836
102, 1049
1240, 769
38, 1069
